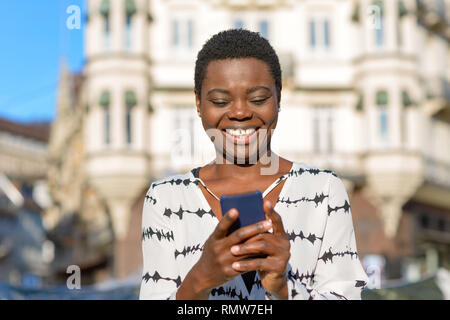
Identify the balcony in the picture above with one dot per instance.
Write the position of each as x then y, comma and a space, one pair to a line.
437, 101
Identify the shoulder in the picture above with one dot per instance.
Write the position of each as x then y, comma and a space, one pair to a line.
302, 169
172, 181
173, 189
308, 178
167, 191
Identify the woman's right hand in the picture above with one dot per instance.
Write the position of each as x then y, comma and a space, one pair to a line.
214, 267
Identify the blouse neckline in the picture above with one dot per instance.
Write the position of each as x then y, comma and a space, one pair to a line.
195, 175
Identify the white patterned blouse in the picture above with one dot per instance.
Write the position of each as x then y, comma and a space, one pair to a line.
315, 210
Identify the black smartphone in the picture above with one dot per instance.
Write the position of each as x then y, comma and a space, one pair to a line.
249, 206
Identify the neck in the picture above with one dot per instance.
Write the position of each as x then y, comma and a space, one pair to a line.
227, 169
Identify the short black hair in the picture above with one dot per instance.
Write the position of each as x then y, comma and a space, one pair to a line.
235, 44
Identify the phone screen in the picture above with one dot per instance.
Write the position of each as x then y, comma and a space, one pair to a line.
249, 206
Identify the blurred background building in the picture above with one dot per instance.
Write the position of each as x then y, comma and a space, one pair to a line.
366, 93
25, 251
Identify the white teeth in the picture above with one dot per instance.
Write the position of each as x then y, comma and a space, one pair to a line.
240, 132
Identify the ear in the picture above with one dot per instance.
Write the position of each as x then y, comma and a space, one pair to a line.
278, 98
197, 100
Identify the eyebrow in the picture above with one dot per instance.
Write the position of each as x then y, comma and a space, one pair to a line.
250, 90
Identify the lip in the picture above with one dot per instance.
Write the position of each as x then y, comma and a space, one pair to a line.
244, 139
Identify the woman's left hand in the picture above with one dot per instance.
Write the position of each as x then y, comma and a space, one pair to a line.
276, 247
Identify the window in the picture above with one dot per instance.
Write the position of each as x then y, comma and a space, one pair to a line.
105, 103
130, 10
312, 34
175, 33
105, 7
424, 221
377, 11
382, 103
264, 28
319, 34
183, 33
383, 122
130, 102
190, 33
107, 118
323, 129
379, 34
407, 103
106, 32
128, 125
326, 34
184, 125
441, 224
128, 32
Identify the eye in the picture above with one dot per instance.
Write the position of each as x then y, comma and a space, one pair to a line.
259, 101
219, 103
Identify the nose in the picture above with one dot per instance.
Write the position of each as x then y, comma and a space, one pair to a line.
239, 110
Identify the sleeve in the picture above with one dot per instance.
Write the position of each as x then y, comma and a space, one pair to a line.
160, 275
338, 273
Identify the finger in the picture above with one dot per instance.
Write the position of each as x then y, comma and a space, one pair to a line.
266, 236
257, 264
255, 248
225, 223
260, 264
278, 241
246, 232
271, 214
258, 237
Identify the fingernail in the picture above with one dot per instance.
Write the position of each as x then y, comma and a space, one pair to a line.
235, 249
269, 204
268, 223
236, 265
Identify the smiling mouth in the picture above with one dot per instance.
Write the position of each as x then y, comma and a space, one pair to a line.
241, 136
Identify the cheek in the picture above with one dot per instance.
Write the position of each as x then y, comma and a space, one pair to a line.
271, 118
211, 118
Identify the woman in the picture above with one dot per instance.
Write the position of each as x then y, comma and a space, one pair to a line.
306, 246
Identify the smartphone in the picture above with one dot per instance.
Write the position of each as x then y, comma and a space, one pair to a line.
249, 206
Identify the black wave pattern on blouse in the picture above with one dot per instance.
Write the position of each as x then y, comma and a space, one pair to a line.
157, 277
329, 255
299, 172
149, 232
345, 206
302, 277
230, 292
150, 199
177, 182
189, 249
317, 199
311, 237
200, 212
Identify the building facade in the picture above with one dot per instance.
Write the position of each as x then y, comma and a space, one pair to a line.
25, 250
366, 93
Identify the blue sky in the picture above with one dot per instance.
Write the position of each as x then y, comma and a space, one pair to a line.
34, 38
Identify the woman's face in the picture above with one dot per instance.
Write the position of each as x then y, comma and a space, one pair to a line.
239, 108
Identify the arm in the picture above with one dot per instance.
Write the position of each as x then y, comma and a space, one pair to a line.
215, 265
339, 273
160, 276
